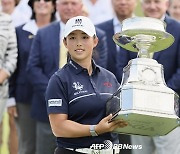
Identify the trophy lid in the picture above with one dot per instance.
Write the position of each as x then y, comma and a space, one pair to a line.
143, 33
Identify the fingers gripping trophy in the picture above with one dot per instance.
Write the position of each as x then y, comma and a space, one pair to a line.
146, 103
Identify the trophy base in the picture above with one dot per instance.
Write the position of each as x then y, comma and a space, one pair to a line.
147, 123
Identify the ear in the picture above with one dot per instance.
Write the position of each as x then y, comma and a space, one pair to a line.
96, 40
65, 42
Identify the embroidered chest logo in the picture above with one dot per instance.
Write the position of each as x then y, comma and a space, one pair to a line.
107, 84
77, 86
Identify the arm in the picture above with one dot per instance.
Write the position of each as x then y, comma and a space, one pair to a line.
62, 127
35, 67
3, 75
100, 52
174, 81
57, 108
10, 58
121, 62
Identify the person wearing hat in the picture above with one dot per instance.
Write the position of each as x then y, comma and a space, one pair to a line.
45, 58
20, 88
76, 95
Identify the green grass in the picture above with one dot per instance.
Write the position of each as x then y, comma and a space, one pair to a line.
4, 146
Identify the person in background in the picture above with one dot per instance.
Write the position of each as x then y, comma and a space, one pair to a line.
43, 13
170, 59
77, 110
174, 9
8, 57
10, 7
46, 58
123, 9
99, 10
18, 18
85, 11
24, 8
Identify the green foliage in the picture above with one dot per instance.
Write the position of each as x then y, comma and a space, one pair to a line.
138, 10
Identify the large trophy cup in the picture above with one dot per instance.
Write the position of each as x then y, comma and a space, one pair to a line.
147, 104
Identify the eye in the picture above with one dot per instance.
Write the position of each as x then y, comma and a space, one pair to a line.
85, 37
72, 38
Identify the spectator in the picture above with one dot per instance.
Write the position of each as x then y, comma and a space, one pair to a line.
174, 9
9, 7
43, 12
99, 10
8, 57
123, 9
18, 18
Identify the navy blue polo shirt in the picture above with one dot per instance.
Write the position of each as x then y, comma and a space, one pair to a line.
83, 98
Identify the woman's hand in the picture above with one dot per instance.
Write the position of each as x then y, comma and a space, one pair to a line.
105, 126
12, 111
3, 75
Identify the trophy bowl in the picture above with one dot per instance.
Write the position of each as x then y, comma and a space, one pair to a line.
140, 32
145, 102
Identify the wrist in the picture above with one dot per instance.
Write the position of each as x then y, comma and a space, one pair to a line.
92, 130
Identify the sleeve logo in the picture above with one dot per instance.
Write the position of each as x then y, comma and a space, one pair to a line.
54, 102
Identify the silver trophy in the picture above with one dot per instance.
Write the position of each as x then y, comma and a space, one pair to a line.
147, 104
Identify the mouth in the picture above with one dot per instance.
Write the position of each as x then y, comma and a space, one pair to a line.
79, 50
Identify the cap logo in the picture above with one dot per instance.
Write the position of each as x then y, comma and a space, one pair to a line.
78, 21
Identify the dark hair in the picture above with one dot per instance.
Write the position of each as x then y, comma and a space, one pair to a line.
31, 4
16, 2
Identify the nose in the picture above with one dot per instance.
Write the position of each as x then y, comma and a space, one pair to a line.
152, 5
69, 6
79, 42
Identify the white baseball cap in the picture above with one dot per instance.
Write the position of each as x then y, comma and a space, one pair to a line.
80, 23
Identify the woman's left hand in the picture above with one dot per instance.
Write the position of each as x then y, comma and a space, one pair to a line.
105, 126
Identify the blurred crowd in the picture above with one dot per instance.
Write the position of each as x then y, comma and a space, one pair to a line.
30, 53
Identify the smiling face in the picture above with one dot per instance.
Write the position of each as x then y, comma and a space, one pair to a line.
174, 9
80, 46
42, 7
68, 9
124, 8
155, 8
8, 6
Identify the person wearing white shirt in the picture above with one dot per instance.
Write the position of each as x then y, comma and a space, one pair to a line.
99, 10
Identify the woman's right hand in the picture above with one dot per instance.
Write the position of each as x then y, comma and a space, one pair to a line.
105, 126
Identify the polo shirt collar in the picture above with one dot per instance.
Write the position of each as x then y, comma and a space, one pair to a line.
78, 69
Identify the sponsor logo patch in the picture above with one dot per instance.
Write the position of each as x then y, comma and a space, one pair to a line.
54, 102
